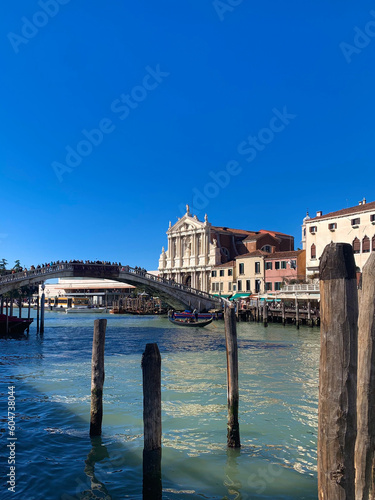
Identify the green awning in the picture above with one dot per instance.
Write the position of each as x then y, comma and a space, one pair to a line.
221, 295
240, 296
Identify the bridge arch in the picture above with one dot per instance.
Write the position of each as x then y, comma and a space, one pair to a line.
176, 295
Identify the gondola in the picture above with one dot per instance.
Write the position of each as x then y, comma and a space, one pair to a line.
190, 320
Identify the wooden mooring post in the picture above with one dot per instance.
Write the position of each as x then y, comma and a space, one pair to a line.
365, 443
97, 377
7, 317
37, 314
42, 306
265, 313
297, 314
337, 373
151, 375
233, 434
283, 312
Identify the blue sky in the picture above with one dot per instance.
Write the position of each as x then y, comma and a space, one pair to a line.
116, 114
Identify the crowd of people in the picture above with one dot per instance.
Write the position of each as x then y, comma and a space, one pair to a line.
48, 265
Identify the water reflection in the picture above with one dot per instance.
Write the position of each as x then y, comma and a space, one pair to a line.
97, 453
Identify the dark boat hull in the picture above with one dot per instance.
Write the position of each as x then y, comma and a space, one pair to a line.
184, 322
16, 326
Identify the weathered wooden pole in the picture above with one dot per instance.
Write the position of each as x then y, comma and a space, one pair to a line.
297, 313
11, 304
28, 312
265, 313
1, 305
20, 307
365, 443
6, 317
97, 377
337, 373
233, 434
151, 375
42, 305
37, 314
309, 320
283, 312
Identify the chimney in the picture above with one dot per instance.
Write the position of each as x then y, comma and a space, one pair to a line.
363, 202
319, 213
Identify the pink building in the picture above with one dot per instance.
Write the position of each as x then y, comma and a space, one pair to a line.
283, 267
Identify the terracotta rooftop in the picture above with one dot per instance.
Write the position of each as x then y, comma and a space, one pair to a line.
231, 263
223, 229
284, 255
256, 253
346, 211
274, 233
258, 236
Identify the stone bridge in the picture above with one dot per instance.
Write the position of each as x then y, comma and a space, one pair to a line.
174, 294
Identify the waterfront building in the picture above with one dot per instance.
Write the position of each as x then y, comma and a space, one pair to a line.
196, 247
354, 225
282, 268
222, 279
100, 291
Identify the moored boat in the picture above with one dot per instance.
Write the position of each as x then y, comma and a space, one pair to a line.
190, 319
15, 325
85, 309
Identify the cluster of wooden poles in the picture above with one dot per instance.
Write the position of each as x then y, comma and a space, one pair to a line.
6, 304
151, 372
346, 426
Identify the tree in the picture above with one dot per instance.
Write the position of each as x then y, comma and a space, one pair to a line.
3, 264
17, 265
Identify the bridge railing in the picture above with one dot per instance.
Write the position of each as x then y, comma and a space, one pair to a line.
43, 273
159, 279
32, 273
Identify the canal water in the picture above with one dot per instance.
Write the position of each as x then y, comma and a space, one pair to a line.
56, 459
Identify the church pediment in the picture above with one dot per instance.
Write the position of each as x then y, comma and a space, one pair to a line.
186, 223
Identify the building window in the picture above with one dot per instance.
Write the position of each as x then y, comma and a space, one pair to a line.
277, 286
266, 248
373, 243
257, 267
221, 272
230, 286
366, 244
356, 245
283, 264
213, 274
230, 272
268, 266
332, 226
234, 287
221, 286
269, 286
356, 222
241, 268
277, 265
313, 251
248, 286
257, 286
372, 218
313, 229
304, 231
239, 285
293, 264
